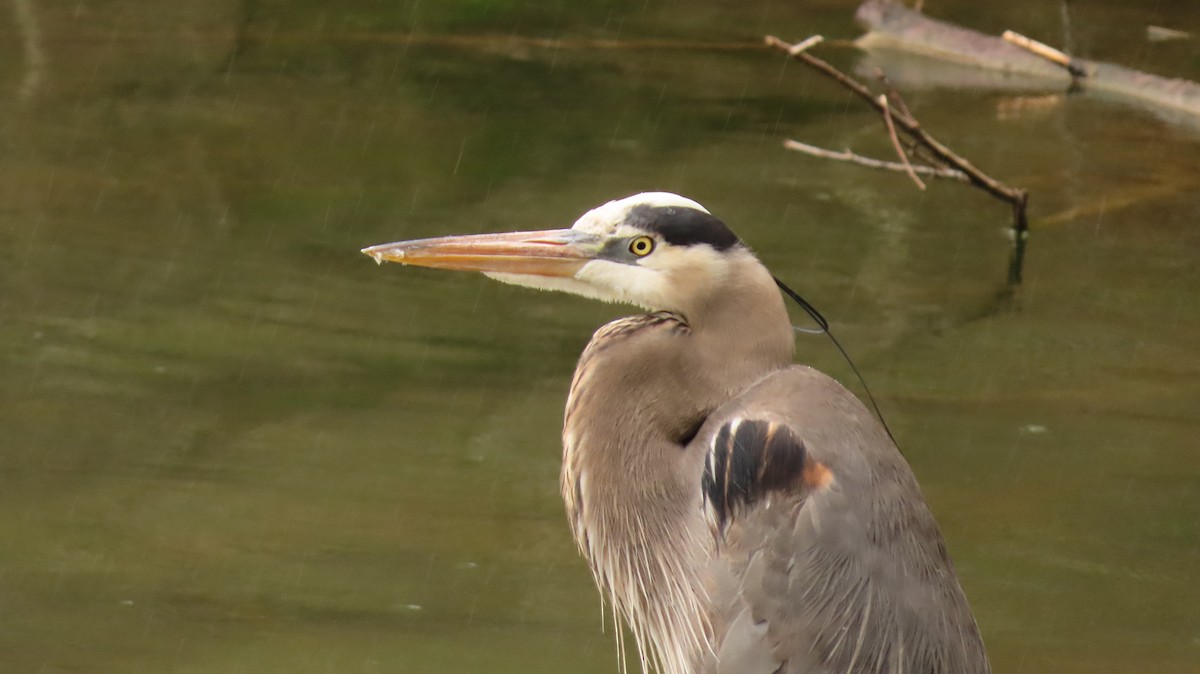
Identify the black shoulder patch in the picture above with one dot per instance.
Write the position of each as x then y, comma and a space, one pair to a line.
749, 458
681, 226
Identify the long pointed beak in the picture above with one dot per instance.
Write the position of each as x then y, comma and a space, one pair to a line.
552, 252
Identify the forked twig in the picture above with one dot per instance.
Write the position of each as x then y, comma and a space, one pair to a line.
901, 120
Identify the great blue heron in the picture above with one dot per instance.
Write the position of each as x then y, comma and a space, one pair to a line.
742, 514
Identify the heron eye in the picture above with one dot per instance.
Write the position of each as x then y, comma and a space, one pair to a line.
641, 246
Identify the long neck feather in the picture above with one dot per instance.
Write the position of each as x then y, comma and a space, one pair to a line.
630, 482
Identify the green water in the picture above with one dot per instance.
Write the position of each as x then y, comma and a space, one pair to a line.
230, 443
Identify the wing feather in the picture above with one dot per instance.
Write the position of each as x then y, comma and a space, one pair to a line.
826, 551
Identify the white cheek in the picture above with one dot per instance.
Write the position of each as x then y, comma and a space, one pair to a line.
688, 272
627, 283
568, 285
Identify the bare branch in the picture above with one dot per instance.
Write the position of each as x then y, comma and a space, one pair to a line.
899, 119
909, 125
887, 119
848, 156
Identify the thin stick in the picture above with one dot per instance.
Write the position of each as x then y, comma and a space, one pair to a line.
887, 118
1038, 48
1045, 51
848, 156
806, 44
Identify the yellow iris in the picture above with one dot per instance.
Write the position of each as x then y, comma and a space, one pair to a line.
641, 246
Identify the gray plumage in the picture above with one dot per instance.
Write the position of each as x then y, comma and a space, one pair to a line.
740, 513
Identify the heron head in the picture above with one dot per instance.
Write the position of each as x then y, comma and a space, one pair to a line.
656, 250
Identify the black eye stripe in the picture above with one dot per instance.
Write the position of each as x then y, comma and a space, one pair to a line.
680, 226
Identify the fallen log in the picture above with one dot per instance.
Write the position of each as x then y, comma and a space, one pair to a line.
891, 26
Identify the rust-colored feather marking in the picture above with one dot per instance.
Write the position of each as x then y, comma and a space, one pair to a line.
816, 475
751, 458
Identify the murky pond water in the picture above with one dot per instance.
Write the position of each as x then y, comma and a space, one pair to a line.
230, 443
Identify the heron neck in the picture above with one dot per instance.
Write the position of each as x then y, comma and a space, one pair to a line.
742, 332
630, 481
653, 378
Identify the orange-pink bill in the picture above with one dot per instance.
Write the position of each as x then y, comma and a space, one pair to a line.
552, 252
